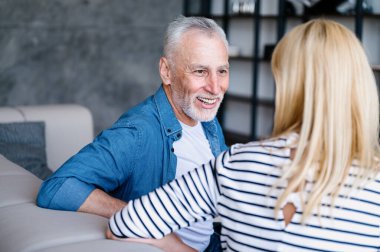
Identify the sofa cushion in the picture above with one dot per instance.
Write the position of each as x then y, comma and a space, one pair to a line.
26, 190
26, 227
24, 144
7, 167
103, 245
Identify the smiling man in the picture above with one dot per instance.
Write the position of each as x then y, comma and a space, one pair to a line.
197, 81
165, 136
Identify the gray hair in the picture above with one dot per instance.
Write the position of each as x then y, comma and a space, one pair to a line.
183, 24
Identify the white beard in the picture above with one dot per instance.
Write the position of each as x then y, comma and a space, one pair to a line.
187, 104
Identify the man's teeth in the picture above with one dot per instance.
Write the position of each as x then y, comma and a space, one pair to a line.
207, 100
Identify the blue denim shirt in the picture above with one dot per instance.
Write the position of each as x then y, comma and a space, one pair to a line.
130, 159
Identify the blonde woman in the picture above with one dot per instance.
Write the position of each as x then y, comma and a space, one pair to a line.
314, 185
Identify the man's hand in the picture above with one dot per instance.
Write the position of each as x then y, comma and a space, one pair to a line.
110, 236
100, 203
170, 243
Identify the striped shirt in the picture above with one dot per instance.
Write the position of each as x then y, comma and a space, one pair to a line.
238, 187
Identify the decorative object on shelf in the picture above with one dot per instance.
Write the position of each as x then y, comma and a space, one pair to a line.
348, 7
309, 3
323, 7
336, 7
243, 7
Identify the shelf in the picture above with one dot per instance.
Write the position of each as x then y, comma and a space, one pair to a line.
376, 68
251, 15
365, 15
241, 57
248, 15
248, 99
247, 58
252, 66
238, 98
265, 102
373, 15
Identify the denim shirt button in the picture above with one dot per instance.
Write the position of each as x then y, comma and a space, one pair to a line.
169, 130
172, 149
179, 135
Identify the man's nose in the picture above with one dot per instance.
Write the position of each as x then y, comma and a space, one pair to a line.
213, 86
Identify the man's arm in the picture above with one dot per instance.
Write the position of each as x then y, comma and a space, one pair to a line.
63, 193
100, 203
105, 164
73, 195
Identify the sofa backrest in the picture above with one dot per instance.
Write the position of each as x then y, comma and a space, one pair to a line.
68, 128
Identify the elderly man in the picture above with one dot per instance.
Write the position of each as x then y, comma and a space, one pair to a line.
165, 136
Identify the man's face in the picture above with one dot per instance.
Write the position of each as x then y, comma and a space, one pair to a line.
200, 76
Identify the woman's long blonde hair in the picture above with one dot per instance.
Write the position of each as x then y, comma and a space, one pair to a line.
325, 91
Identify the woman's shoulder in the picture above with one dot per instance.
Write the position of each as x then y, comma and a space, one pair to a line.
275, 145
271, 152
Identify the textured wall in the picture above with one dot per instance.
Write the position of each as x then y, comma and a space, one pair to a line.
100, 53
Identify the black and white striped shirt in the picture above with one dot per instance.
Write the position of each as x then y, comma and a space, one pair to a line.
237, 186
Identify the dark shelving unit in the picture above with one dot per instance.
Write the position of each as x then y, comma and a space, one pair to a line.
281, 20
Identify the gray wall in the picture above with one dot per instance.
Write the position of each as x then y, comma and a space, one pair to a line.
99, 53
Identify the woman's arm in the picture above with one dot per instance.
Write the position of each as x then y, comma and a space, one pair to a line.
188, 199
170, 243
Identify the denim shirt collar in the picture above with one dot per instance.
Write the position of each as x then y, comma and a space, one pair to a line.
166, 113
173, 127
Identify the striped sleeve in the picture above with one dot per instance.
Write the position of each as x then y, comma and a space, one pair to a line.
178, 204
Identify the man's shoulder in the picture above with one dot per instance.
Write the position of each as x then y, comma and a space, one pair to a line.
144, 112
138, 116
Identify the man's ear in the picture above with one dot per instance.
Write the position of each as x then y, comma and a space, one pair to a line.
165, 72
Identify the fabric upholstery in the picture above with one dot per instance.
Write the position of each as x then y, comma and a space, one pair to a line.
26, 227
17, 185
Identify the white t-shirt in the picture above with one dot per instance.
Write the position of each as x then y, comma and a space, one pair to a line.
193, 150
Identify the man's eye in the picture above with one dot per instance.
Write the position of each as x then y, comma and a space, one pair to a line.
223, 72
200, 72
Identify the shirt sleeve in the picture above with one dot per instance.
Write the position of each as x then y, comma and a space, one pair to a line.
64, 194
105, 163
191, 198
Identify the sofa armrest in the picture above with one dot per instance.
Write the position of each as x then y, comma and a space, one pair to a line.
26, 227
68, 128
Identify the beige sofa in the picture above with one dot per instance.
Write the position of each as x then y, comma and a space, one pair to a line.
24, 227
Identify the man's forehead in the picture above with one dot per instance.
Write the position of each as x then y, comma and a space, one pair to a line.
195, 65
